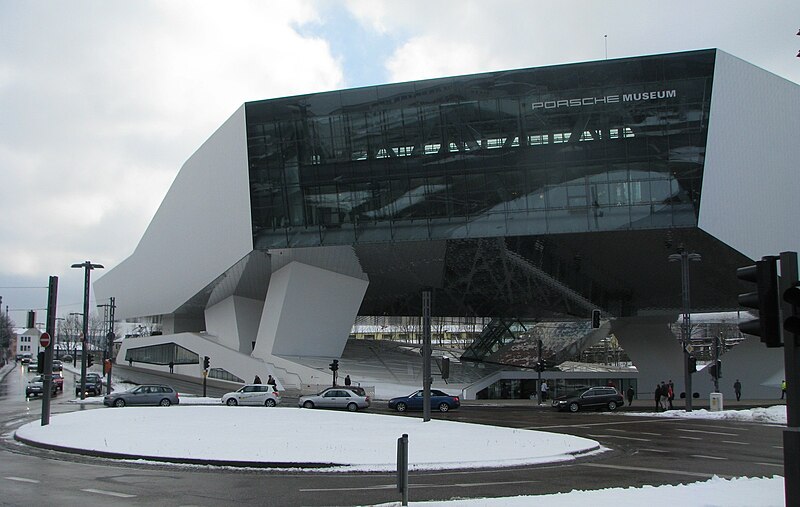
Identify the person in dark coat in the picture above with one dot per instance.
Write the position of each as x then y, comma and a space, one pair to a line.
171, 366
271, 381
657, 396
737, 388
629, 393
347, 380
257, 380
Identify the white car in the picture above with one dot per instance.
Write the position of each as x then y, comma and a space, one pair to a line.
253, 394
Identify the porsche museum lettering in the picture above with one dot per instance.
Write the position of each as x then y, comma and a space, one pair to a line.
606, 99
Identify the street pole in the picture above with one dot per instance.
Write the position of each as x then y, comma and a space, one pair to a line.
791, 357
50, 328
426, 355
716, 363
683, 256
87, 267
539, 374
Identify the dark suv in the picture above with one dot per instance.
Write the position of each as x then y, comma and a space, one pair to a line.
593, 397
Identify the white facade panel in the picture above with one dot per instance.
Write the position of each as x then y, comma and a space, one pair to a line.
309, 312
752, 167
235, 322
201, 229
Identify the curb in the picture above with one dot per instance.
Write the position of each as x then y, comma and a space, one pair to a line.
174, 460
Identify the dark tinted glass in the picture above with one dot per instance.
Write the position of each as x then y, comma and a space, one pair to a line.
574, 148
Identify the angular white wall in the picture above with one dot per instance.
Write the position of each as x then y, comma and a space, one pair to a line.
752, 165
235, 322
309, 311
201, 229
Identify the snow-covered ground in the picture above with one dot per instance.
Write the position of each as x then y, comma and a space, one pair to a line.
364, 441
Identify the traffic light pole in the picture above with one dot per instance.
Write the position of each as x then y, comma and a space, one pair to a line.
791, 356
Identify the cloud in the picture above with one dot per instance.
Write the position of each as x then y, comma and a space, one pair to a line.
102, 103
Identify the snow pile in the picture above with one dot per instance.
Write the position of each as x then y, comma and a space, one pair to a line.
715, 492
775, 414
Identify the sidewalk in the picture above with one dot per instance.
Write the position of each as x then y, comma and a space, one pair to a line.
638, 405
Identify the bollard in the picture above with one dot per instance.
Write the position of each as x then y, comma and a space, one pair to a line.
402, 467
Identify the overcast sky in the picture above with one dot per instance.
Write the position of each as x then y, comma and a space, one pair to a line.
102, 102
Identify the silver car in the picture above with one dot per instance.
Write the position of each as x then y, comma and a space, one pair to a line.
335, 397
253, 394
143, 395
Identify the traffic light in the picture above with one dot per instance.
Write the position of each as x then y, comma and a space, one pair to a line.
692, 364
89, 361
334, 366
765, 299
40, 362
715, 369
595, 319
206, 362
445, 368
792, 323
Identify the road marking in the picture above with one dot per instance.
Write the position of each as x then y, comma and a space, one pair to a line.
22, 479
689, 438
651, 434
703, 456
777, 447
654, 450
108, 493
769, 464
709, 432
735, 442
619, 436
615, 423
655, 470
417, 486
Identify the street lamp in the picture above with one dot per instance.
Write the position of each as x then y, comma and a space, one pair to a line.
87, 267
684, 257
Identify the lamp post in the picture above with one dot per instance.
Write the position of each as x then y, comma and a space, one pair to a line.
87, 267
683, 256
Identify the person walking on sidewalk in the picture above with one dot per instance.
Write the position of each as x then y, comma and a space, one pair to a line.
737, 388
783, 388
629, 393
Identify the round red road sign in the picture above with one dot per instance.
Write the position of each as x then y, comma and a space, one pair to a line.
44, 339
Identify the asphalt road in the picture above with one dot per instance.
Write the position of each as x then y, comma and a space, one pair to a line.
643, 450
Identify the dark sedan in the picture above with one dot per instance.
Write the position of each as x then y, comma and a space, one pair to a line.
593, 397
440, 401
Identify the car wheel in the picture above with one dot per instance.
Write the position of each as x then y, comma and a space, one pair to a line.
119, 402
401, 407
308, 404
444, 407
231, 402
574, 407
165, 402
612, 405
270, 402
352, 407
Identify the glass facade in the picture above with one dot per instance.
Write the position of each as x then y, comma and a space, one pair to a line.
600, 146
162, 354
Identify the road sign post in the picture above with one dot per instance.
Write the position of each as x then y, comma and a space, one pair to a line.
45, 341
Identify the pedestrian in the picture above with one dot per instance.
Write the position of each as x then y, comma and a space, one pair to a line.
347, 380
544, 388
257, 380
664, 394
737, 388
271, 381
629, 393
171, 366
670, 393
657, 396
130, 362
783, 388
